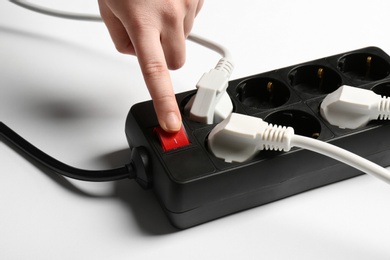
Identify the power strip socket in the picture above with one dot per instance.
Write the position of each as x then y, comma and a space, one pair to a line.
194, 187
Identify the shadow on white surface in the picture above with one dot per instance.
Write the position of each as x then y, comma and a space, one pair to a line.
142, 204
25, 34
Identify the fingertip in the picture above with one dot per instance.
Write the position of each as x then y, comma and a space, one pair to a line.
171, 123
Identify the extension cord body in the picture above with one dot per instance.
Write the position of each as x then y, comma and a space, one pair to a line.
194, 187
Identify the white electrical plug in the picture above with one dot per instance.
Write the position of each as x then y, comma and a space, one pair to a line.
351, 107
240, 137
211, 104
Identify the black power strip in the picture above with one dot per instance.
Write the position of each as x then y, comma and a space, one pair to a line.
194, 187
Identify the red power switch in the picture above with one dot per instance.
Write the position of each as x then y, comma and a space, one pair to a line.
170, 141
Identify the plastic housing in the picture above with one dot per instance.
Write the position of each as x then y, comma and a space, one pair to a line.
194, 187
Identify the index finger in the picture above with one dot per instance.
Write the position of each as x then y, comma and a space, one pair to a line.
152, 61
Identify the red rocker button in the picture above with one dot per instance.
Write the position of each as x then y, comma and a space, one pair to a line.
170, 141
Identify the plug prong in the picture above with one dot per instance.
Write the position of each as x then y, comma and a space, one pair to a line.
368, 66
315, 135
270, 85
320, 73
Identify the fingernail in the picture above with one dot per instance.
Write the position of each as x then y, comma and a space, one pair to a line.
172, 122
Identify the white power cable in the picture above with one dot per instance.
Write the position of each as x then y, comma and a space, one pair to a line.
56, 13
211, 45
240, 137
342, 155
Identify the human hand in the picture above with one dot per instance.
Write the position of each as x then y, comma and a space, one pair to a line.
154, 31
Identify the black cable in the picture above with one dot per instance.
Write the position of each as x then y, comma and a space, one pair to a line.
127, 171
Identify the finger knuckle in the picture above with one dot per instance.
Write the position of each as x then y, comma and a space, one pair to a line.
164, 97
154, 69
172, 14
176, 63
188, 3
124, 48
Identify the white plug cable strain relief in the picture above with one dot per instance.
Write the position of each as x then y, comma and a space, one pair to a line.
225, 65
277, 138
384, 108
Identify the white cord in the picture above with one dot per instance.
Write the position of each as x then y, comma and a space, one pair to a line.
341, 155
240, 137
56, 13
211, 45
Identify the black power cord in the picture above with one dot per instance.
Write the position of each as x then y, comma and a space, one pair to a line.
136, 169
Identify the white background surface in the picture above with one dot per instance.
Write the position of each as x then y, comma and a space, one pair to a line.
65, 88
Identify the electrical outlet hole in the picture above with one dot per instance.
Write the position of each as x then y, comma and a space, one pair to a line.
315, 79
303, 123
364, 66
263, 93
